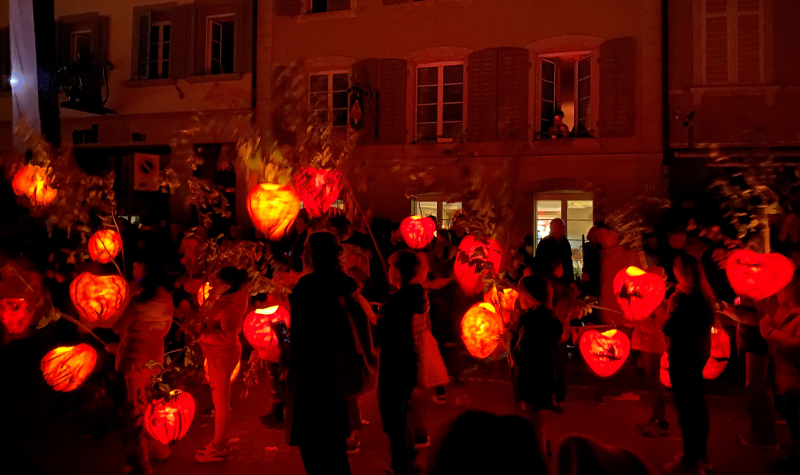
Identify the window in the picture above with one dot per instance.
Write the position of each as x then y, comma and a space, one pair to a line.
732, 41
566, 85
443, 210
328, 96
219, 55
440, 102
577, 212
159, 50
80, 45
322, 6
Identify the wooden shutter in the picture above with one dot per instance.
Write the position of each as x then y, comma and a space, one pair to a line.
140, 54
748, 37
100, 41
482, 96
392, 108
618, 88
287, 7
182, 41
365, 73
716, 41
335, 5
512, 93
5, 58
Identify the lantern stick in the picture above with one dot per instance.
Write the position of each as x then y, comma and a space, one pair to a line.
121, 249
84, 327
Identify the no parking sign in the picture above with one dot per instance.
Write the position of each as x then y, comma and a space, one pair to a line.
146, 172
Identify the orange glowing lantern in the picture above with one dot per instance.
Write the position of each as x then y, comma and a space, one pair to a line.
417, 231
273, 208
105, 245
67, 367
717, 361
98, 298
481, 329
203, 293
34, 182
168, 419
318, 189
258, 331
606, 352
757, 275
233, 375
466, 270
15, 315
638, 292
505, 300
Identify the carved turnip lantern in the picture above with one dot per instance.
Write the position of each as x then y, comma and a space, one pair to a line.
606, 352
717, 361
757, 275
273, 208
168, 419
203, 293
417, 231
466, 270
98, 298
104, 245
67, 367
258, 331
504, 300
233, 375
318, 189
34, 182
481, 329
15, 315
638, 292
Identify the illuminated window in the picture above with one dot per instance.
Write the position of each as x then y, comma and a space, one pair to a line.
440, 102
159, 50
577, 212
443, 210
565, 85
80, 45
220, 49
328, 98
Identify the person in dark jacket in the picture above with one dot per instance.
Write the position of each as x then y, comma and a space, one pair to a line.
690, 316
555, 246
316, 414
535, 371
399, 334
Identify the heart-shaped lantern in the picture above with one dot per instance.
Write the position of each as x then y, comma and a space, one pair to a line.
168, 419
273, 208
417, 231
318, 189
258, 331
717, 361
481, 329
756, 275
471, 254
504, 300
98, 298
638, 292
104, 245
606, 352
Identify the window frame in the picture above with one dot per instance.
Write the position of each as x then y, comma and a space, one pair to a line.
440, 199
580, 55
564, 198
440, 100
73, 44
210, 19
160, 42
330, 92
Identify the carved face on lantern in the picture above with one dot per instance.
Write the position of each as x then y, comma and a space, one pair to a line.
417, 231
15, 315
258, 331
466, 270
273, 208
67, 367
168, 419
98, 298
757, 275
105, 245
717, 361
481, 329
318, 189
638, 292
606, 352
34, 182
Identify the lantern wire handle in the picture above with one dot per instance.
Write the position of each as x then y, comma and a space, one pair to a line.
84, 327
121, 249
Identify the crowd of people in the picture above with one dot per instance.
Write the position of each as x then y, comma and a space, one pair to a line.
355, 326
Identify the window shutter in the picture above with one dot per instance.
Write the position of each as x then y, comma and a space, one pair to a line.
287, 7
512, 94
365, 73
482, 96
392, 106
335, 5
142, 19
716, 41
182, 41
100, 41
5, 58
618, 88
749, 41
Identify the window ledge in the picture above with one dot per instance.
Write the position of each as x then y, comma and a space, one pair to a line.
766, 90
150, 82
412, 5
307, 17
213, 78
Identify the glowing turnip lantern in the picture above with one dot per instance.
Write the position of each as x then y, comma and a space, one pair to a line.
273, 208
757, 275
234, 374
104, 245
34, 182
258, 331
481, 329
505, 300
203, 293
417, 231
67, 367
15, 315
98, 298
465, 269
638, 292
717, 361
606, 352
318, 189
168, 419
